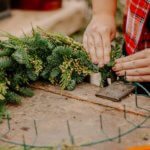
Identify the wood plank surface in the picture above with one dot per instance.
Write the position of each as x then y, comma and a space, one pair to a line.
86, 92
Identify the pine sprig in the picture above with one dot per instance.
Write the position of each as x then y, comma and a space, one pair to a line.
5, 62
106, 71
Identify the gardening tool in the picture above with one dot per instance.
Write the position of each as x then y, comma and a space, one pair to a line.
116, 91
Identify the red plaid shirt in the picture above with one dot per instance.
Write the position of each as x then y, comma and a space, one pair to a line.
137, 25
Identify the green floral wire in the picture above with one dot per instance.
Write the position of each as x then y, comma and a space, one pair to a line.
129, 131
82, 145
141, 86
116, 137
96, 142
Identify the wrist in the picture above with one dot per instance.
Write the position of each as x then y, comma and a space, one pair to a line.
107, 7
104, 16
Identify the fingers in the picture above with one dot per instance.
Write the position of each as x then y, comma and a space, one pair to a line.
106, 47
93, 44
99, 49
139, 55
91, 49
85, 42
145, 78
134, 72
98, 44
135, 67
131, 64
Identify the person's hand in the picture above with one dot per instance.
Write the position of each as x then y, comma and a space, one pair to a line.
98, 36
136, 67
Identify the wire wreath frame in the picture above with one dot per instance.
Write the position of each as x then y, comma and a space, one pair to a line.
86, 144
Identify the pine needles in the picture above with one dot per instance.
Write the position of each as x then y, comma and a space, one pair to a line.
51, 57
47, 56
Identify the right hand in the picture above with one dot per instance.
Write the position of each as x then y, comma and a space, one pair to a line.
98, 36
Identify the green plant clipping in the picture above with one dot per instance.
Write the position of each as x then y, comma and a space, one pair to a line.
116, 52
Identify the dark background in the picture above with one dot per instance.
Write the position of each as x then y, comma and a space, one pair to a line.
30, 4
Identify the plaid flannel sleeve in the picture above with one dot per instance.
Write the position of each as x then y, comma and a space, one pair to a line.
137, 34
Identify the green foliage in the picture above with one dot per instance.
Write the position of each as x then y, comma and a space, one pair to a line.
21, 57
6, 52
3, 85
52, 57
3, 90
47, 56
32, 75
5, 62
106, 71
26, 92
12, 97
71, 86
2, 110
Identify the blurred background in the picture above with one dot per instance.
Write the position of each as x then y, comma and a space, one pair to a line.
66, 16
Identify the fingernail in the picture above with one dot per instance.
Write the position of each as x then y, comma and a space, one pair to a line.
114, 68
117, 73
95, 61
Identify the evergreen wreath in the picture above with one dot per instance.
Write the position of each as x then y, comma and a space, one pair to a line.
46, 56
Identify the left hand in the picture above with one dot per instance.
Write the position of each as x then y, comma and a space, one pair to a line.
136, 67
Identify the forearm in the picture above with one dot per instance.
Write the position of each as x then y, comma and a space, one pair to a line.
106, 7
